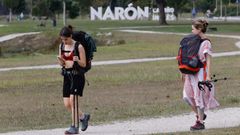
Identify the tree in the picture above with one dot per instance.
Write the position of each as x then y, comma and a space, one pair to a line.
141, 3
97, 3
29, 5
162, 17
20, 7
11, 4
84, 6
113, 4
205, 5
74, 9
40, 8
55, 6
179, 6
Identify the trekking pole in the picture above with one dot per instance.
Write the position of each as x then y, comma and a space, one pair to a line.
74, 114
208, 83
75, 110
76, 102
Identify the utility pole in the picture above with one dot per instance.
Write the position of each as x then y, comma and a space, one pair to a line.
216, 6
225, 10
221, 8
64, 12
237, 1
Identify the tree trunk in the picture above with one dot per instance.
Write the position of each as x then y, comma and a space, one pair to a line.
31, 8
162, 16
113, 4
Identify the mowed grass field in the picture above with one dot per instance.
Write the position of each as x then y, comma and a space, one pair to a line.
33, 99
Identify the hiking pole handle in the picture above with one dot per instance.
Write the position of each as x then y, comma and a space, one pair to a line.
206, 83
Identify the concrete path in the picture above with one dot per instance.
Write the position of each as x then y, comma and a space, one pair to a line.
2, 25
228, 117
12, 36
172, 33
114, 62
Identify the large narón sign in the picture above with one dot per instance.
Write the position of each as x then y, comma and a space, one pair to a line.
129, 13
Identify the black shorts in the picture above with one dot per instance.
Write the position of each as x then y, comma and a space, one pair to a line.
73, 84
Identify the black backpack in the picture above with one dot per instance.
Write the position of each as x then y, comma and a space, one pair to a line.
89, 46
188, 60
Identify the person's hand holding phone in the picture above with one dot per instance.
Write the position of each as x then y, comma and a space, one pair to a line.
61, 61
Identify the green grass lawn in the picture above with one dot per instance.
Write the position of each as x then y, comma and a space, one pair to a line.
33, 99
137, 46
93, 26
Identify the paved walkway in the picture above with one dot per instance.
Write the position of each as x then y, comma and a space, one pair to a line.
215, 119
2, 25
172, 33
114, 62
12, 36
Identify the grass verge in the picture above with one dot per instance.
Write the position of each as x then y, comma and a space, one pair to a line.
33, 99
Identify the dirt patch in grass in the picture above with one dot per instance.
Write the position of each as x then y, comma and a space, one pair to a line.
29, 44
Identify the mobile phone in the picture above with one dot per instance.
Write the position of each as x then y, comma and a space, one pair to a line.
61, 59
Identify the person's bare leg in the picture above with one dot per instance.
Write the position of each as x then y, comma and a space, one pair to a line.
194, 108
67, 103
200, 114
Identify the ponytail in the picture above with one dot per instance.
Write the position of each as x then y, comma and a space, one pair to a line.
66, 31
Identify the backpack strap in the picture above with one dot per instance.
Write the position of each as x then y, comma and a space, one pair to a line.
202, 40
75, 51
76, 66
62, 49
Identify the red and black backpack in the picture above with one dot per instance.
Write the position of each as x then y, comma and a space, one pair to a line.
188, 59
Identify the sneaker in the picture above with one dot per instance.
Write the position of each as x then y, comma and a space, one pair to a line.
197, 126
72, 130
204, 116
84, 122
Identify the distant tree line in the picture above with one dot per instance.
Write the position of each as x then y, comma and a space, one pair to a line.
75, 8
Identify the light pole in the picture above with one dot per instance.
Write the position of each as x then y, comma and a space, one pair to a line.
216, 5
237, 1
221, 8
64, 12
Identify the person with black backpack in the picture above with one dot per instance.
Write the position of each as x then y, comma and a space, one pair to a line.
73, 65
194, 62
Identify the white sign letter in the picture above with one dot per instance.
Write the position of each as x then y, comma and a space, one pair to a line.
132, 11
108, 14
119, 13
95, 13
143, 14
